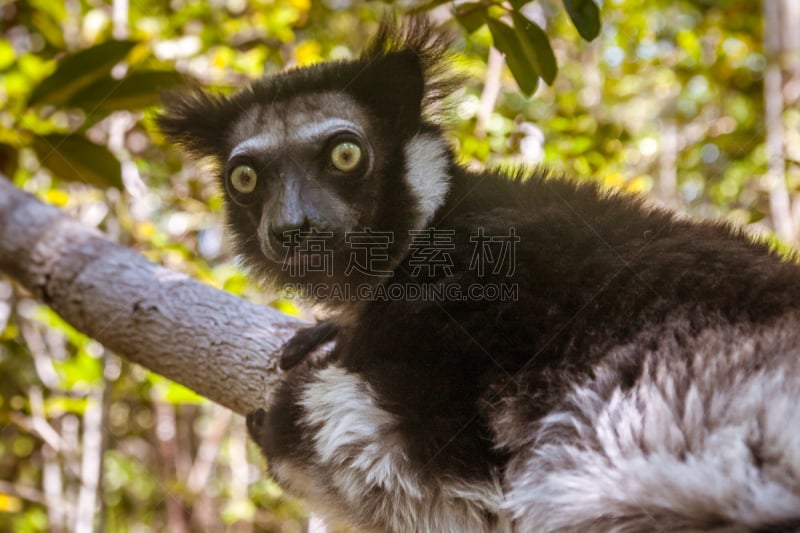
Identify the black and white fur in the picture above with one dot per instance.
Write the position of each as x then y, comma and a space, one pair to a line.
646, 379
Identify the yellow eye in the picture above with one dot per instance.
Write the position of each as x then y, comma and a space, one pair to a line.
244, 179
346, 156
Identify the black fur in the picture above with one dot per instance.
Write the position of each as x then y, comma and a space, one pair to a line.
306, 341
401, 76
605, 284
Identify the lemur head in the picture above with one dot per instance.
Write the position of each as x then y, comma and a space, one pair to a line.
327, 151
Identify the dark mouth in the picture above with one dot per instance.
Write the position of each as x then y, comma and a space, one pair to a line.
271, 252
294, 251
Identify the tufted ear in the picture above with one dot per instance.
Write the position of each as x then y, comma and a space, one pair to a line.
405, 72
197, 121
392, 86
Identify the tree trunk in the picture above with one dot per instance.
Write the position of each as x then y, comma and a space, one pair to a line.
218, 345
781, 48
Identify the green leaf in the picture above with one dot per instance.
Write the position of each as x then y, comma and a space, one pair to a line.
58, 405
76, 158
471, 15
80, 371
505, 40
536, 46
170, 392
49, 28
47, 17
137, 90
7, 54
517, 4
57, 10
586, 17
428, 6
77, 71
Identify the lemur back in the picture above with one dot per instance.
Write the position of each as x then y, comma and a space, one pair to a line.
512, 352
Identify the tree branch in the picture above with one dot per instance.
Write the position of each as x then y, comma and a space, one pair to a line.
218, 345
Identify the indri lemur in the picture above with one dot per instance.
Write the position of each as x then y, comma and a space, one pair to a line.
645, 376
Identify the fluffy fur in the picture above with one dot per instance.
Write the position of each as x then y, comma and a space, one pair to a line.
643, 377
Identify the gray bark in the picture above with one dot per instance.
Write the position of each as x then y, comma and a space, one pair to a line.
218, 345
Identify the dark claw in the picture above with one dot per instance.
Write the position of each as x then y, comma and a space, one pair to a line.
306, 341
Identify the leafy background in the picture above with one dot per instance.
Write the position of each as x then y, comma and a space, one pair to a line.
664, 97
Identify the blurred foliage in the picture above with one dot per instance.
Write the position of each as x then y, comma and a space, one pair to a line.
666, 99
525, 45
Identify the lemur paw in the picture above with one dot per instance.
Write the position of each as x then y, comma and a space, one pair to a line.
255, 421
306, 341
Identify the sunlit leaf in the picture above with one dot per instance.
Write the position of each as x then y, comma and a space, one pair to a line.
10, 503
56, 197
308, 53
57, 405
49, 28
76, 158
137, 90
7, 54
536, 47
287, 306
10, 332
34, 67
586, 17
77, 71
79, 372
505, 40
235, 284
171, 392
51, 319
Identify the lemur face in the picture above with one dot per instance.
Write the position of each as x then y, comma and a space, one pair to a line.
305, 176
301, 169
313, 155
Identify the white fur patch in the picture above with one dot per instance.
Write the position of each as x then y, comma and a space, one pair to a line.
353, 429
261, 142
426, 173
361, 462
315, 130
302, 119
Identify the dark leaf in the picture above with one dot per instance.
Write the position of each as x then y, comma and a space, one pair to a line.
471, 15
79, 70
505, 40
517, 4
756, 215
9, 156
137, 90
536, 46
76, 158
585, 16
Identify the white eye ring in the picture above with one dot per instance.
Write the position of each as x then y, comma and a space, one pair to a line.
244, 179
346, 156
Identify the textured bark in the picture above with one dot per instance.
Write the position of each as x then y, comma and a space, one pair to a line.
220, 346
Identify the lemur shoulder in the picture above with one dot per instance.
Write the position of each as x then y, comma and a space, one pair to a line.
644, 375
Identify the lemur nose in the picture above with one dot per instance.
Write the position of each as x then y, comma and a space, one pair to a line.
292, 232
287, 237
